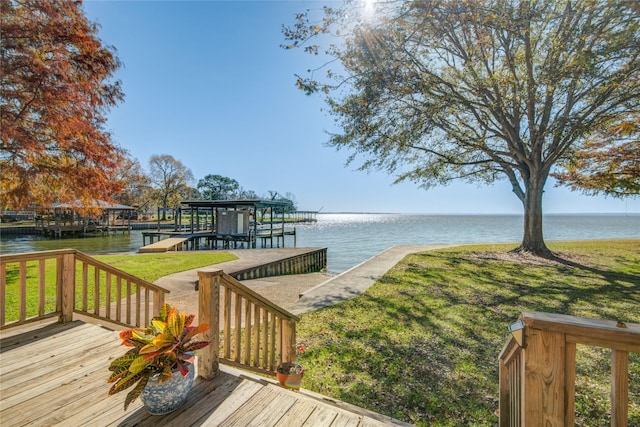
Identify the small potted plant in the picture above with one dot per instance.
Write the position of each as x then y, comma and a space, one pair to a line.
290, 374
160, 361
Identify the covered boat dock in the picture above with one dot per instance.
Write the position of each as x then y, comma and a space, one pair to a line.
210, 224
96, 216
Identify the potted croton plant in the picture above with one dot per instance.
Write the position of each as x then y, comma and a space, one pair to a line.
160, 361
290, 374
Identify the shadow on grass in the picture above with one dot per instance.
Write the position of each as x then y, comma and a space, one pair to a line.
422, 344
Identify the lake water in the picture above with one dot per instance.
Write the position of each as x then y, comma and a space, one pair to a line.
353, 238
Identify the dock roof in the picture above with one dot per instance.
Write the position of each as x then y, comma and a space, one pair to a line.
99, 204
230, 204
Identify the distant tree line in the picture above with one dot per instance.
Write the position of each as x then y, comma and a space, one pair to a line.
169, 182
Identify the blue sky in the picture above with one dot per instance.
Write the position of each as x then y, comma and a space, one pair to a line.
207, 83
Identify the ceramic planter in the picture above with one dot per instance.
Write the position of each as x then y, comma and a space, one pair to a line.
162, 398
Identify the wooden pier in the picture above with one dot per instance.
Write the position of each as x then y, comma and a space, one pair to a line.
80, 230
165, 245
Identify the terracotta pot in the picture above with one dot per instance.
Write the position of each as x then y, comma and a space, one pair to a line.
290, 381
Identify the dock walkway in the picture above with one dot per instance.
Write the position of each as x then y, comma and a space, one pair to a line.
208, 240
165, 245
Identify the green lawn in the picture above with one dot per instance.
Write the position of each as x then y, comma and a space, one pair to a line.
421, 345
149, 267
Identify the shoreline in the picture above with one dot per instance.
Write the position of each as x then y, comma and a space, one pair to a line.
351, 239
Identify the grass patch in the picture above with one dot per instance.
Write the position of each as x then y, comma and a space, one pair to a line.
421, 345
149, 267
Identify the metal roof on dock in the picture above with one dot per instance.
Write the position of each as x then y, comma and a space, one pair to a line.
255, 203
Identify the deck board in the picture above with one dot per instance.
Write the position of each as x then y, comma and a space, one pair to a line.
58, 377
231, 403
246, 415
301, 410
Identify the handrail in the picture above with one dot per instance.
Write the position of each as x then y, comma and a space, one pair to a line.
538, 367
33, 256
108, 293
256, 333
128, 289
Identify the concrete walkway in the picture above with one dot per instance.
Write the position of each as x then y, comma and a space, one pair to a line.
282, 290
318, 290
185, 281
356, 280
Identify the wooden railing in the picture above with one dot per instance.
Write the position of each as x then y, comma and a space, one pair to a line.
39, 285
255, 333
538, 367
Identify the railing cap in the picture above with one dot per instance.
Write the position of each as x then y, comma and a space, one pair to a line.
615, 331
606, 333
541, 320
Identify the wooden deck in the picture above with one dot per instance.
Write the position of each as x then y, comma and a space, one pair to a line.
56, 374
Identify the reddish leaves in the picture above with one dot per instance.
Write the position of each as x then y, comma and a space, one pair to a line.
608, 163
54, 95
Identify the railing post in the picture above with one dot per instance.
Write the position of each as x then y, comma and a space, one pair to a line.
158, 302
288, 350
544, 386
504, 395
570, 384
549, 368
619, 388
209, 312
67, 287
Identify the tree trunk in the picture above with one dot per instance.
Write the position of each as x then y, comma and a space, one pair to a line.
533, 240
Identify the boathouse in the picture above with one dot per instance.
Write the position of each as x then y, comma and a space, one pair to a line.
97, 216
211, 224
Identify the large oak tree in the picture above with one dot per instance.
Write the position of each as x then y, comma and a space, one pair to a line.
55, 91
478, 90
218, 187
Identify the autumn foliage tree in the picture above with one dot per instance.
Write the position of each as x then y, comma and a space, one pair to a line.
136, 184
55, 91
433, 91
607, 163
